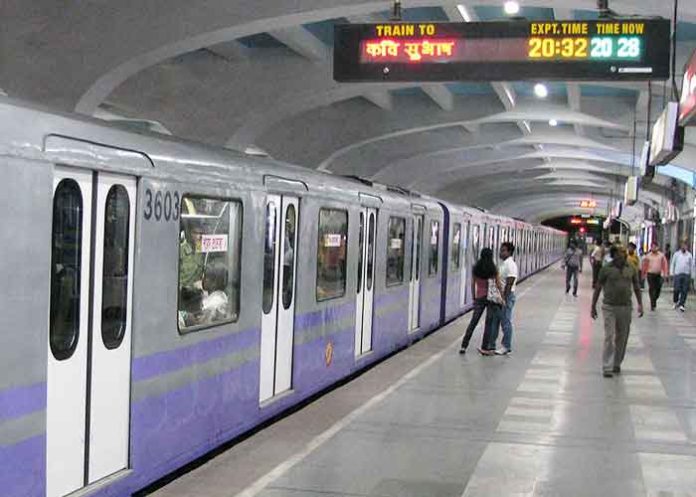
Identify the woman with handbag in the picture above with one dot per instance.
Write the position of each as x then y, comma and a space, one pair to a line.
485, 285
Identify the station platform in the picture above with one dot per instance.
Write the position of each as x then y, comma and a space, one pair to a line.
429, 422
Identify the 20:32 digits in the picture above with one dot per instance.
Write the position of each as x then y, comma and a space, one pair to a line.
161, 205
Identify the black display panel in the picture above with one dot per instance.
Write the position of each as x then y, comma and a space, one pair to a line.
635, 49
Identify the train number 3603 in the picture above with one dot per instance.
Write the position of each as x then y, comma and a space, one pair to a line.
162, 206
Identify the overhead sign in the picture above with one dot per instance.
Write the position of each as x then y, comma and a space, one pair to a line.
687, 104
588, 204
635, 49
667, 138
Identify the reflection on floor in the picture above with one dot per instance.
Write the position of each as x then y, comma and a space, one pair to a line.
541, 422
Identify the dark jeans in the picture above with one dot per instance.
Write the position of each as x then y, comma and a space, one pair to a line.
572, 273
479, 306
654, 288
681, 288
596, 266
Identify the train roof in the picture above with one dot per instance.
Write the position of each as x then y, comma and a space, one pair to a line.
36, 132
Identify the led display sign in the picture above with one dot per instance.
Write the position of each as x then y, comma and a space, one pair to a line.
588, 204
635, 49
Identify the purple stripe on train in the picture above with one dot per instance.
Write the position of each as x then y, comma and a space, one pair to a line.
20, 401
324, 316
169, 430
168, 361
172, 360
22, 468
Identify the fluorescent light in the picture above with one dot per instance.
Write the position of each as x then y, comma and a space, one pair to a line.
511, 7
465, 14
553, 122
540, 90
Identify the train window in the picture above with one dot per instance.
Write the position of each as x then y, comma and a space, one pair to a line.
361, 246
419, 246
115, 270
66, 269
331, 254
289, 256
371, 250
270, 246
209, 262
396, 251
456, 245
434, 247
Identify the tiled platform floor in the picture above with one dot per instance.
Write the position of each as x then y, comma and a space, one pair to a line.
541, 422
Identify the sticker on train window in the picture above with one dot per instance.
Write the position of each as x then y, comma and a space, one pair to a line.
332, 240
213, 243
396, 243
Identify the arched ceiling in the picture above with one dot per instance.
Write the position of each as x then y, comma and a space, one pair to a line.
258, 74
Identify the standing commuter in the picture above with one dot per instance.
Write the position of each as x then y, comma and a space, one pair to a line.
484, 272
654, 268
571, 263
509, 274
596, 259
617, 280
682, 268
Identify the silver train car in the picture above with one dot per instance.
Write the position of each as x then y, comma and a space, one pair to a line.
161, 298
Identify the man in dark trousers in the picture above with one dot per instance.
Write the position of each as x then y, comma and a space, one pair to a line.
617, 279
571, 262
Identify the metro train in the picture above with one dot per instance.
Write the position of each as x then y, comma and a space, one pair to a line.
161, 297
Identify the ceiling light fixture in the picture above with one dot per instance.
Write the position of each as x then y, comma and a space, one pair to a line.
540, 90
553, 122
511, 8
464, 13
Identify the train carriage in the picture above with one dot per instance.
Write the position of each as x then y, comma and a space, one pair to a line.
163, 297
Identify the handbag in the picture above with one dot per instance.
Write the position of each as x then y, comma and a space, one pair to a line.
494, 295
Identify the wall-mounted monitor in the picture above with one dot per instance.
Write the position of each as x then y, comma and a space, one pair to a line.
667, 136
631, 190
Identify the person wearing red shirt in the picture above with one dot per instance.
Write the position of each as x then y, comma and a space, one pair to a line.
655, 268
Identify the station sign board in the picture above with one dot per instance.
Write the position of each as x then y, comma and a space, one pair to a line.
612, 49
687, 104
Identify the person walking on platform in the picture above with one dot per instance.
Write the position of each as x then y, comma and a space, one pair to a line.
606, 253
596, 258
632, 257
682, 268
509, 274
654, 269
484, 274
571, 263
617, 280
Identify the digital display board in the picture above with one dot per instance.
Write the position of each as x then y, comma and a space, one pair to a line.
635, 49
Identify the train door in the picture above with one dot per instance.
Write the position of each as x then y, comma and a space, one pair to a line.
463, 283
278, 303
366, 275
89, 349
414, 285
